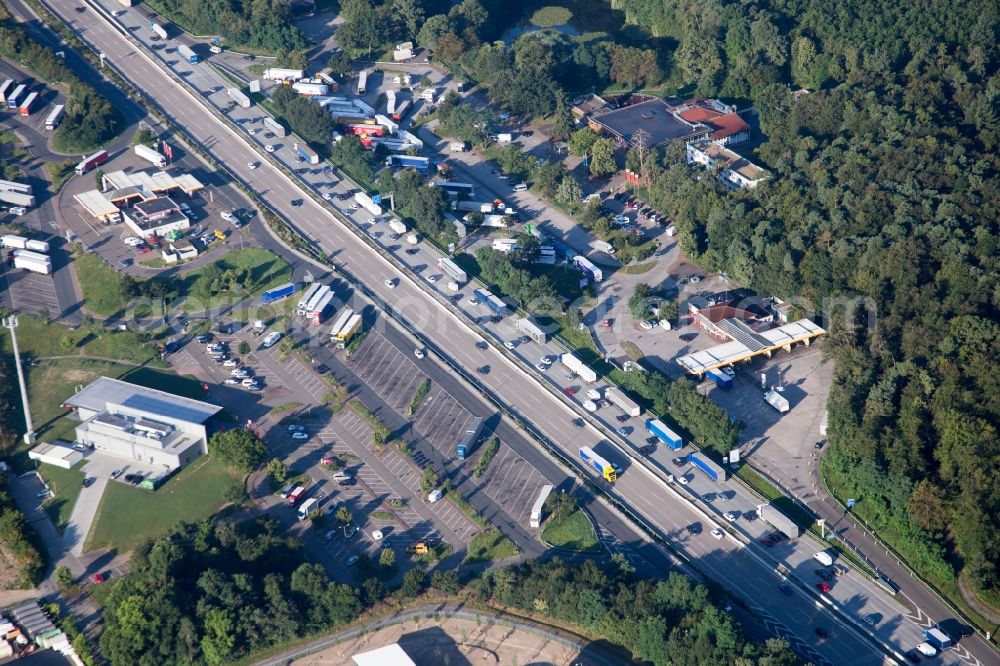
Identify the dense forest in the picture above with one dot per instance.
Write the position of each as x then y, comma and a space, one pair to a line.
880, 218
670, 621
89, 120
264, 25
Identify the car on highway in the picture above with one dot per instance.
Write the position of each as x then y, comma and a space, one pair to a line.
300, 435
296, 203
483, 369
482, 345
718, 533
391, 283
694, 529
253, 165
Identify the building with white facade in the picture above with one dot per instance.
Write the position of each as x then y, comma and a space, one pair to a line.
734, 171
156, 217
141, 424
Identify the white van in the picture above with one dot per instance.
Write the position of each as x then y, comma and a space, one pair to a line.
590, 405
435, 495
593, 394
521, 187
665, 325
927, 650
823, 558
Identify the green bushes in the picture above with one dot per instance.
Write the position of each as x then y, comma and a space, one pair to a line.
264, 25
17, 545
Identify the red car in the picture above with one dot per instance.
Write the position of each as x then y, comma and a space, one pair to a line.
100, 577
326, 461
823, 587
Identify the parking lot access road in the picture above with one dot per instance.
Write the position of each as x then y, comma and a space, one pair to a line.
740, 569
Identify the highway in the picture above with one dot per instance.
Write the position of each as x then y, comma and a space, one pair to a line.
747, 573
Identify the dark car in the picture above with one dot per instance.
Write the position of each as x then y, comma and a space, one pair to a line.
824, 574
483, 369
482, 345
821, 633
647, 449
204, 337
750, 516
786, 589
819, 445
679, 462
88, 482
296, 202
913, 656
621, 418
322, 368
694, 528
412, 251
527, 133
347, 482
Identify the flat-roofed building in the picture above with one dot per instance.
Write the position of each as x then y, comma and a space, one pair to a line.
156, 217
141, 424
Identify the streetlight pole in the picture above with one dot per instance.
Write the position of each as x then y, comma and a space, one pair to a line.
29, 435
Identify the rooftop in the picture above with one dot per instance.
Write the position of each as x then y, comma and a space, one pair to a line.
96, 203
723, 122
747, 344
655, 117
105, 391
157, 205
389, 655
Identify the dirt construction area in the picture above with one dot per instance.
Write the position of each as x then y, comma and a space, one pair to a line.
457, 642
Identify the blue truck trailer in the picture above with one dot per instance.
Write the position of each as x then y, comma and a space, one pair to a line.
278, 293
306, 153
660, 430
599, 464
937, 638
702, 462
469, 439
492, 301
721, 379
421, 164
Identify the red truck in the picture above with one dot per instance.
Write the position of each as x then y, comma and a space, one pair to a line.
296, 495
88, 163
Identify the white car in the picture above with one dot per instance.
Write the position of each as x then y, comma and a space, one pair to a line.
352, 207
432, 278
473, 301
252, 165
419, 353
269, 148
729, 371
294, 427
228, 216
132, 241
370, 220
391, 283
718, 533
327, 196
231, 381
509, 345
252, 131
730, 516
300, 435
645, 325
377, 535
248, 381
683, 480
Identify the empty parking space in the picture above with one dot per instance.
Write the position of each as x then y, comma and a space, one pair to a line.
387, 370
32, 292
513, 483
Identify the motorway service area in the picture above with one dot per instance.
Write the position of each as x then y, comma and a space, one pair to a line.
414, 416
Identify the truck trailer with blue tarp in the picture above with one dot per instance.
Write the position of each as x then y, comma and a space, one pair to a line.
702, 462
721, 379
278, 293
660, 430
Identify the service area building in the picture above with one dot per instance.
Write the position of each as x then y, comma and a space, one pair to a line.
156, 217
137, 423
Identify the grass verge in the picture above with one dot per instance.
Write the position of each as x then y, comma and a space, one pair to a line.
572, 531
489, 546
380, 431
128, 515
65, 485
418, 397
59, 173
489, 452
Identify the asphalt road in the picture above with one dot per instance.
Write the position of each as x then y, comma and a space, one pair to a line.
740, 569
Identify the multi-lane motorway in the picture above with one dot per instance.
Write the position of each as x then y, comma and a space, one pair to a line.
747, 573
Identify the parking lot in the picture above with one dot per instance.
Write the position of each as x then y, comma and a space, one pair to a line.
29, 292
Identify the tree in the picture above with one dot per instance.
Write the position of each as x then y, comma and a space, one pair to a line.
340, 63
446, 581
64, 579
277, 470
581, 141
244, 347
602, 158
414, 582
374, 590
344, 515
429, 480
366, 30
432, 30
569, 190
387, 558
238, 448
564, 123
411, 14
